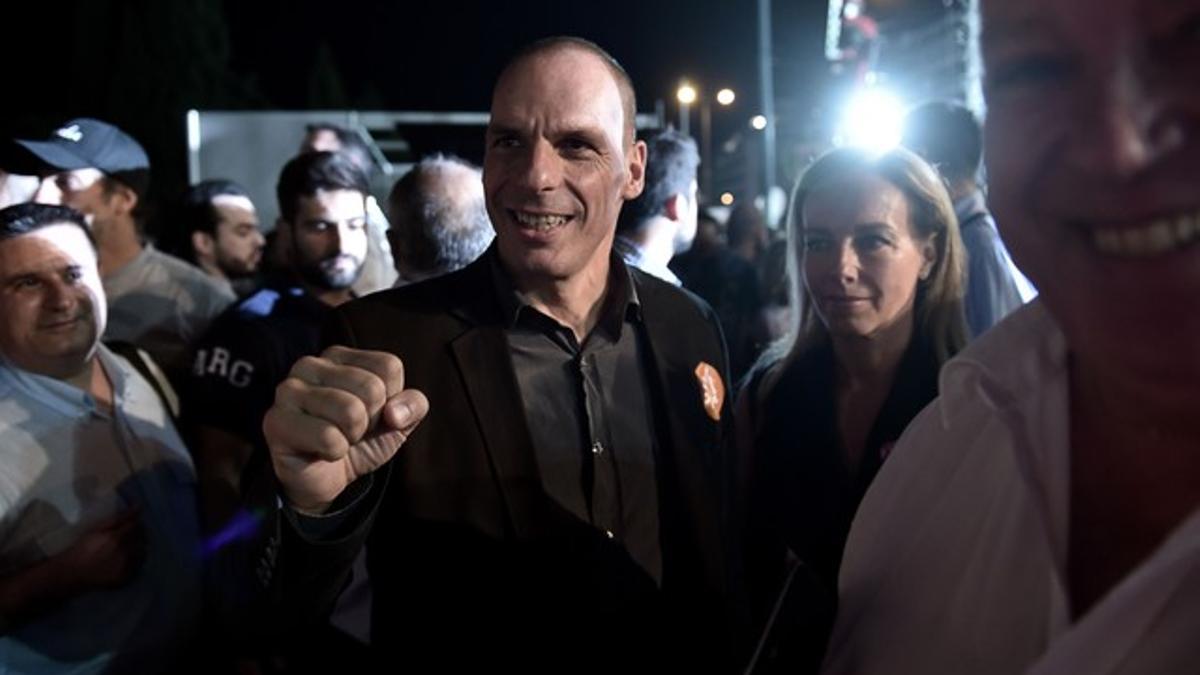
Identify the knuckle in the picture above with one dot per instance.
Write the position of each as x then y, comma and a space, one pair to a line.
288, 389
332, 440
394, 368
305, 364
357, 421
375, 390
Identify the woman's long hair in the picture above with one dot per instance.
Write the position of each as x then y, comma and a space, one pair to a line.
939, 301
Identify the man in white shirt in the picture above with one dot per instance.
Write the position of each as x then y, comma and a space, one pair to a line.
1043, 515
99, 547
661, 222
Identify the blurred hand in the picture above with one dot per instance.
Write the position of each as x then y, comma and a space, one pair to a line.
336, 418
107, 555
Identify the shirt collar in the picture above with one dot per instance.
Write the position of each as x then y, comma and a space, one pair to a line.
621, 303
634, 256
1018, 355
969, 206
61, 396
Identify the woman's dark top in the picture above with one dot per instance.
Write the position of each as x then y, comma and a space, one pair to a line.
801, 496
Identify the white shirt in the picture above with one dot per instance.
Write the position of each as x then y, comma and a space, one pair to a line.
633, 255
956, 562
65, 463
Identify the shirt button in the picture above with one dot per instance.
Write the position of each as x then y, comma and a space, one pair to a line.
597, 448
609, 534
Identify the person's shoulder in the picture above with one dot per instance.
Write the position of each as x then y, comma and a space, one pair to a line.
249, 313
12, 404
656, 292
190, 279
436, 295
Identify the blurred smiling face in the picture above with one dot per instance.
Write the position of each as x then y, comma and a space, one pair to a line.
1093, 150
51, 299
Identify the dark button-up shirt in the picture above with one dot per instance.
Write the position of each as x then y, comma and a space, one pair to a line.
589, 414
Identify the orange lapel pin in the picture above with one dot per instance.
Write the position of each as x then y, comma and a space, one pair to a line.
712, 389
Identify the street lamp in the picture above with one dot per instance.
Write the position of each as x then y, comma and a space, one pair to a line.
686, 95
758, 122
724, 98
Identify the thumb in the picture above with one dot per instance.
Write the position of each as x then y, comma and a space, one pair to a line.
404, 411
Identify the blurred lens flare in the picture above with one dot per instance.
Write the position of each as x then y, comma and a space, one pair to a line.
873, 119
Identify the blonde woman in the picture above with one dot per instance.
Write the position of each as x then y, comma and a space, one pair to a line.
876, 267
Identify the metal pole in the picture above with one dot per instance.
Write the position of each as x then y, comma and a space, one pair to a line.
768, 96
683, 118
706, 158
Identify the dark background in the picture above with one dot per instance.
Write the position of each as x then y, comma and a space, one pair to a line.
142, 63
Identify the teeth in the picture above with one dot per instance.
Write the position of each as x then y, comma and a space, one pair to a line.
539, 221
1154, 238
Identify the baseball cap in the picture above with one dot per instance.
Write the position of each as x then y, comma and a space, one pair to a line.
85, 142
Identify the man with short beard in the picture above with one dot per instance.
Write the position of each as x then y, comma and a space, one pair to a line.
99, 564
377, 273
250, 347
216, 229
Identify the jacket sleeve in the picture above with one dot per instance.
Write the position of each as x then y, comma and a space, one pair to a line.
306, 561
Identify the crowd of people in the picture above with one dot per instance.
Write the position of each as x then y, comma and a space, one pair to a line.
551, 414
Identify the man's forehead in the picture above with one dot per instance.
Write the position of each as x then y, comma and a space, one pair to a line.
565, 67
240, 202
1006, 18
31, 250
331, 201
576, 87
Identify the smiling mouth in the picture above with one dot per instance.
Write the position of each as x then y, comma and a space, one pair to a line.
61, 325
539, 222
1156, 237
844, 302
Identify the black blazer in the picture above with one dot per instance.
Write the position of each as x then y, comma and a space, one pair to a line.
471, 564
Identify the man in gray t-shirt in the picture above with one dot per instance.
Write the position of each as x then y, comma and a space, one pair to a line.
156, 302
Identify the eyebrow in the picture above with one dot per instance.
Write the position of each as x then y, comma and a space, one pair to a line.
999, 31
555, 131
7, 279
502, 130
874, 226
331, 221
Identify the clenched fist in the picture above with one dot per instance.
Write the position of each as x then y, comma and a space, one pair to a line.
336, 418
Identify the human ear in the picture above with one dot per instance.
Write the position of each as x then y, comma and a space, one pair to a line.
203, 244
636, 159
929, 256
123, 199
674, 206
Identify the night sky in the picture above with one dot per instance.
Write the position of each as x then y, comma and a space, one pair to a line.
142, 63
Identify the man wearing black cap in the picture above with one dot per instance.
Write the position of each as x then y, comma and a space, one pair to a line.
156, 301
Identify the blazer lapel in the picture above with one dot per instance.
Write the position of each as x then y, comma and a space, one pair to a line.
484, 365
691, 447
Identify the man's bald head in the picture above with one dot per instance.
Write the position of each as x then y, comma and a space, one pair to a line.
553, 45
